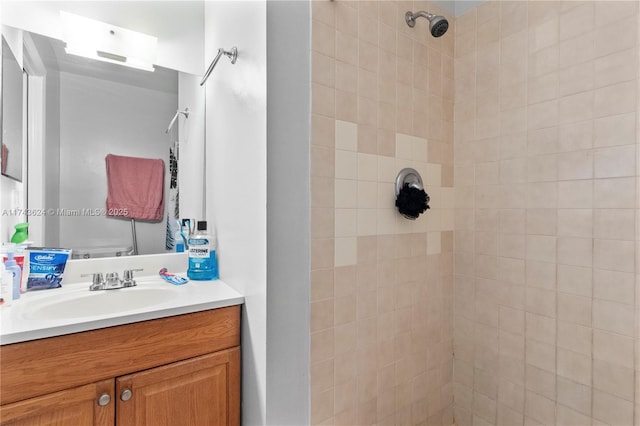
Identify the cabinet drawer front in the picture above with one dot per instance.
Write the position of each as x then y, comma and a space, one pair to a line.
43, 366
200, 391
77, 406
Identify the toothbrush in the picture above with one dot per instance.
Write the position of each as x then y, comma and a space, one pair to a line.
172, 278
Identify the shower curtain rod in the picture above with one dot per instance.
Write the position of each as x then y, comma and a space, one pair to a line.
232, 54
175, 117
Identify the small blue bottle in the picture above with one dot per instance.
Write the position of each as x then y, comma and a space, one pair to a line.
178, 239
202, 255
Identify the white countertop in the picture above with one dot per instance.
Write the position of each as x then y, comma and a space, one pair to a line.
16, 324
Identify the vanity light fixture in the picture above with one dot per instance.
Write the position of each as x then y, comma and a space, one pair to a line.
104, 42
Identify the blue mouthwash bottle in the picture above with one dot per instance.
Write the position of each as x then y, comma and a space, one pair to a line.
202, 255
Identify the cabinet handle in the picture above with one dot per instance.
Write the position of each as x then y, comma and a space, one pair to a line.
126, 395
104, 399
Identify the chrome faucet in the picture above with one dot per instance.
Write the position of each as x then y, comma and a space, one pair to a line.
112, 281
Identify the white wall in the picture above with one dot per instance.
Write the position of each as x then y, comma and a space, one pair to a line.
288, 212
191, 151
177, 24
50, 160
236, 177
253, 150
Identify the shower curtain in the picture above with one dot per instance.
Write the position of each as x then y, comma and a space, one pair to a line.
173, 205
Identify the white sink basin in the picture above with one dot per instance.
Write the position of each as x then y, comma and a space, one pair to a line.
87, 303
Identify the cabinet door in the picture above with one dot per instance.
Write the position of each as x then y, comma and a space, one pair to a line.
199, 391
84, 405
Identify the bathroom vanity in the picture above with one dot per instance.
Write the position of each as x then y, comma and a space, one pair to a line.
150, 373
175, 362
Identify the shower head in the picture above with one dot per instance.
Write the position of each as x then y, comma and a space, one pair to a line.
438, 25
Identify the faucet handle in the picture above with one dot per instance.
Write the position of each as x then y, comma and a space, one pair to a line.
128, 273
97, 281
127, 277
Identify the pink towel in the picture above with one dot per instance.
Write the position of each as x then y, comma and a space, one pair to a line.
135, 187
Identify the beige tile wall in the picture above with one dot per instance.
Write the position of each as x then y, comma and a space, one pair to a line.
546, 230
547, 202
382, 286
637, 271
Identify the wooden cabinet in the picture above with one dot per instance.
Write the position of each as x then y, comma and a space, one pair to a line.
77, 406
182, 370
192, 392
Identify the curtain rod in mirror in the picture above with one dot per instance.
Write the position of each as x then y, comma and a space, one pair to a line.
175, 117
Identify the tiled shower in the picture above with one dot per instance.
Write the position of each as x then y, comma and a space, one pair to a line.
512, 301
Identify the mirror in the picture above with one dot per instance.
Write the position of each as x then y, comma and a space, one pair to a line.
93, 109
12, 110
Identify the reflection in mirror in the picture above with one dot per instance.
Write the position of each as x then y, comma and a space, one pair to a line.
12, 109
94, 109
